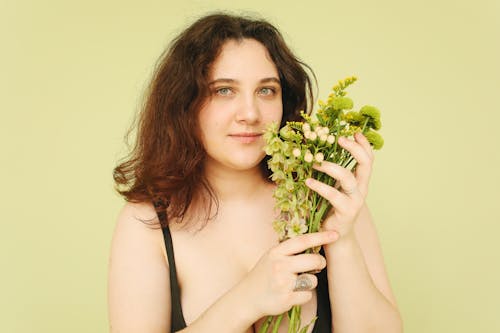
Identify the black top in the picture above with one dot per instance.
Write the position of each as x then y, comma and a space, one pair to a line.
322, 324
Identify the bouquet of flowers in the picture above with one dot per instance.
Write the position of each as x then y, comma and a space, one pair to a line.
294, 149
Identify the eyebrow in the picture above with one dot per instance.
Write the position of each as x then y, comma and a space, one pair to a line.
264, 80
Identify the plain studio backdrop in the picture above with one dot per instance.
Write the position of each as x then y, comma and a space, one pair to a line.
72, 74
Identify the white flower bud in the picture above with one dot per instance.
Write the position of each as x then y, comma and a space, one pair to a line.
306, 127
308, 157
323, 137
307, 134
296, 152
312, 136
330, 139
319, 157
342, 122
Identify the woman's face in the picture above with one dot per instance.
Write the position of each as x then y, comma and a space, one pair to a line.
245, 96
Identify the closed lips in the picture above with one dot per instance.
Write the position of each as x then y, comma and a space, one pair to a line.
246, 134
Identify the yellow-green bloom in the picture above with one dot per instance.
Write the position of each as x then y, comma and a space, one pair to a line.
375, 139
296, 227
280, 227
286, 132
373, 115
278, 175
289, 185
342, 103
353, 118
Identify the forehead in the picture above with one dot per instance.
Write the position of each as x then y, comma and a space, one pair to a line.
243, 59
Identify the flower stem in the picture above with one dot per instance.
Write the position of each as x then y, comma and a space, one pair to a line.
265, 327
294, 315
277, 323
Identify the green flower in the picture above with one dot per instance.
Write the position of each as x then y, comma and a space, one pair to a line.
280, 227
273, 145
271, 131
286, 132
373, 115
296, 227
278, 175
289, 185
353, 118
375, 139
342, 103
289, 165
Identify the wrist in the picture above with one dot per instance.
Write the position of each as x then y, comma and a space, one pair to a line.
344, 244
251, 312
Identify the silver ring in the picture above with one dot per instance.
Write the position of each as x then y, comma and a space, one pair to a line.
303, 283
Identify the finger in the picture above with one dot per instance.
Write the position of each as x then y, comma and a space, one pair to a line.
363, 158
337, 198
363, 171
345, 177
356, 149
301, 297
306, 262
303, 242
363, 141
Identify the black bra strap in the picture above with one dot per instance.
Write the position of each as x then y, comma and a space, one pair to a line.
177, 315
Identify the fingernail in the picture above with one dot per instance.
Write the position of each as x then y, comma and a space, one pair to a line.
308, 181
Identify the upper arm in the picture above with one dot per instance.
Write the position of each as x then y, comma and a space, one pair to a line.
370, 246
138, 279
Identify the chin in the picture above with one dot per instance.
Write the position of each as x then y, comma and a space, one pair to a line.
244, 165
238, 159
246, 162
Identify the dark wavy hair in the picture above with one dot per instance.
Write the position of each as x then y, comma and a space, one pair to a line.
166, 164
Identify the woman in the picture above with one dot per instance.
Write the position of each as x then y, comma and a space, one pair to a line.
199, 167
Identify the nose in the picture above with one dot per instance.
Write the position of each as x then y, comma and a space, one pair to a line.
248, 110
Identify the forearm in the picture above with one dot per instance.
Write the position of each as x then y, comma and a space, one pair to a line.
228, 314
357, 305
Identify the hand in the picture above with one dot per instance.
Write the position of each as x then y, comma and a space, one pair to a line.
350, 198
272, 281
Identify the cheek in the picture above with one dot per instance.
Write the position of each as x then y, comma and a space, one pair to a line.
211, 124
273, 112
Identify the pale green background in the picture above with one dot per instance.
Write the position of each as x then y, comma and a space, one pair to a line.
71, 77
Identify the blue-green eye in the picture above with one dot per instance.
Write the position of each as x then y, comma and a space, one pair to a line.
267, 91
224, 91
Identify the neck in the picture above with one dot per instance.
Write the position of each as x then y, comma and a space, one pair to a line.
234, 185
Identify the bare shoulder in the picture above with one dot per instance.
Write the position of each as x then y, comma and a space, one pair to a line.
138, 283
137, 227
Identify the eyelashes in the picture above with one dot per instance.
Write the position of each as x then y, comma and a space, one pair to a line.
268, 91
229, 91
224, 91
